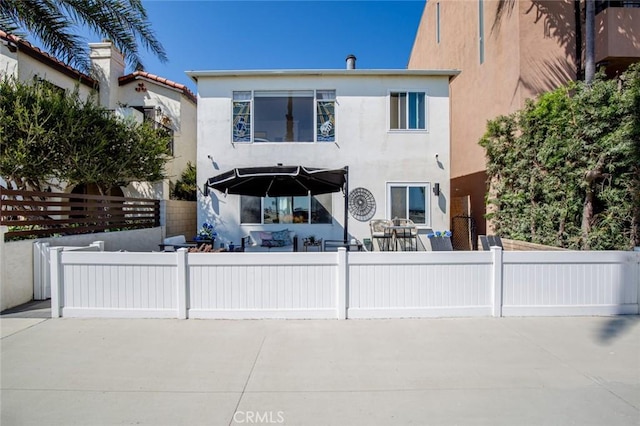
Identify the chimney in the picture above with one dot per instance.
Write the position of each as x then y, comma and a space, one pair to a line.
107, 64
351, 62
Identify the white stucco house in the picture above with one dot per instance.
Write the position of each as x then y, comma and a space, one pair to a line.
140, 94
390, 127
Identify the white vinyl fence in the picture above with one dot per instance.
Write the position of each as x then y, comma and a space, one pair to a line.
42, 266
343, 284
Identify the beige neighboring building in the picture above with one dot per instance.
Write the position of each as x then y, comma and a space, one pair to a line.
142, 95
508, 52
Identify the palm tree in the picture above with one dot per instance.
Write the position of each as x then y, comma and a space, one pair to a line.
124, 22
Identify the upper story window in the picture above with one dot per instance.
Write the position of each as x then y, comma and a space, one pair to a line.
407, 110
284, 116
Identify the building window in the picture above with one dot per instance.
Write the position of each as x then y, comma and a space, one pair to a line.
284, 116
407, 110
481, 29
409, 201
303, 210
325, 120
154, 116
438, 23
242, 116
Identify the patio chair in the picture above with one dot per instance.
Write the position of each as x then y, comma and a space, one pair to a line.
409, 234
488, 241
381, 233
175, 242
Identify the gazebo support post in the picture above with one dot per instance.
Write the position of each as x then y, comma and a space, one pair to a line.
346, 205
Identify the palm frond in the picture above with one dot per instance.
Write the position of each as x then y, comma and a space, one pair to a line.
124, 22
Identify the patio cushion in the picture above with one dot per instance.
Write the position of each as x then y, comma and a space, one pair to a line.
282, 236
256, 243
266, 236
273, 243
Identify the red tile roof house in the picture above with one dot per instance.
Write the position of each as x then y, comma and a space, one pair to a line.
141, 94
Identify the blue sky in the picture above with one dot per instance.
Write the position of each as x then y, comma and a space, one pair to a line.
209, 35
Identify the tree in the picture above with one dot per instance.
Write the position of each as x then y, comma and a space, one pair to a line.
565, 170
186, 188
124, 22
48, 135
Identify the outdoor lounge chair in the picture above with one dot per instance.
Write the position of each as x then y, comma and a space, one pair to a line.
175, 242
488, 241
380, 232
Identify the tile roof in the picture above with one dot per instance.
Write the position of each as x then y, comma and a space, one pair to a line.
41, 56
125, 79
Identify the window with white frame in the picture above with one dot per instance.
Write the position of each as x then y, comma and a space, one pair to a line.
407, 110
303, 210
409, 201
284, 116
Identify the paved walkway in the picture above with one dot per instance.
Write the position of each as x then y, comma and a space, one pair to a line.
510, 371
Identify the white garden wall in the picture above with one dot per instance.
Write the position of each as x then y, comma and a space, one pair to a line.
343, 285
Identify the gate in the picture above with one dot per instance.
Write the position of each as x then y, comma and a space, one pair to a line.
463, 230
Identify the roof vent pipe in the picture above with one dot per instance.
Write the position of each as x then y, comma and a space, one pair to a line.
351, 62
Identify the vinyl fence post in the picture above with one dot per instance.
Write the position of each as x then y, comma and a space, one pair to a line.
182, 281
38, 265
342, 283
57, 281
496, 278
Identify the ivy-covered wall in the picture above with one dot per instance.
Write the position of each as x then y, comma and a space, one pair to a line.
565, 170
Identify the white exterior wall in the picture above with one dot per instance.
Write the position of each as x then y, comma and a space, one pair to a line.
8, 61
182, 113
24, 67
375, 155
108, 65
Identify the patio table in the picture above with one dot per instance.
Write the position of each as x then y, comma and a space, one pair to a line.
404, 233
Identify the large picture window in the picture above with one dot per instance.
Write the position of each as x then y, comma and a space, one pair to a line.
407, 110
409, 201
284, 116
266, 210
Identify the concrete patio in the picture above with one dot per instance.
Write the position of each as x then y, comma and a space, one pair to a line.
507, 371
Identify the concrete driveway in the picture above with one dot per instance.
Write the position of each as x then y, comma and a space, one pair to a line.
509, 371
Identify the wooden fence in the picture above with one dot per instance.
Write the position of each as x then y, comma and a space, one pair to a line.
38, 214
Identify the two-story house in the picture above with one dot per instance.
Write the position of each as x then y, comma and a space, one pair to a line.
169, 105
390, 127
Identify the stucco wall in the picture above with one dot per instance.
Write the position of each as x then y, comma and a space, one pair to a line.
617, 30
16, 258
374, 154
8, 61
529, 48
29, 67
